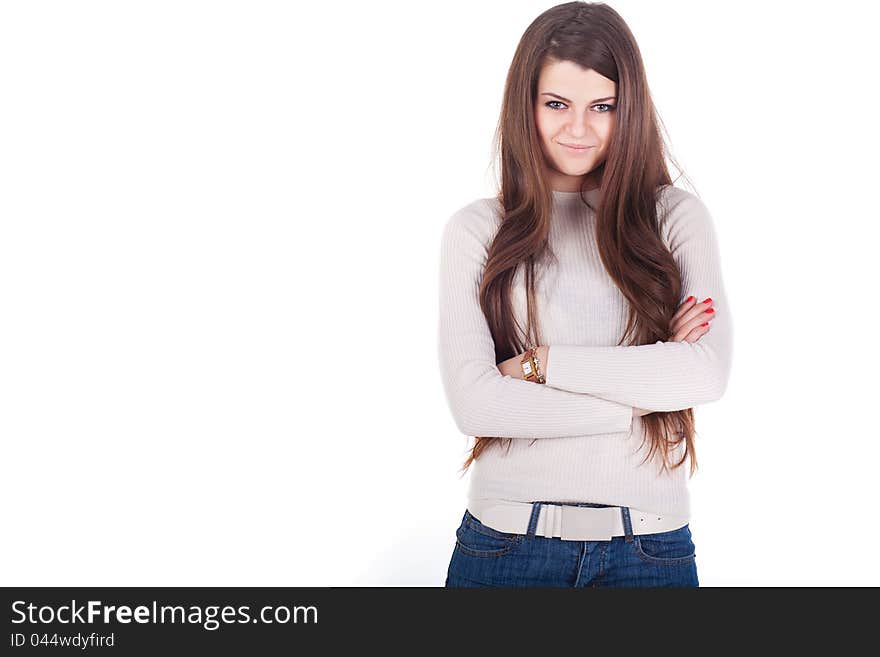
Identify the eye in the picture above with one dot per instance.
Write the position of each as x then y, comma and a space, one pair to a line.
551, 103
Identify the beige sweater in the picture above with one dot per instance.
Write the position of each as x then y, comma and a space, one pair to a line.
587, 447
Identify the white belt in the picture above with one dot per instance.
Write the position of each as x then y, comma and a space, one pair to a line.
570, 523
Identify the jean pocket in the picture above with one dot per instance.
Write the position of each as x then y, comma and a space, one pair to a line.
479, 540
672, 548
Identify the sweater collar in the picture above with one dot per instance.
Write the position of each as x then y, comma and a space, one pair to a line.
592, 195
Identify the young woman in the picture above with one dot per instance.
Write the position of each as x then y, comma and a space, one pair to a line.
582, 317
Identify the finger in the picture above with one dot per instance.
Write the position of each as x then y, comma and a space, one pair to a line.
684, 328
678, 335
688, 310
692, 335
696, 322
697, 333
684, 307
697, 310
675, 322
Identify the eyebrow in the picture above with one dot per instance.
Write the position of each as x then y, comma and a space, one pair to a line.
598, 100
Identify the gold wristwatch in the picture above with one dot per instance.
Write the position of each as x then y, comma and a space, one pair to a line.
531, 366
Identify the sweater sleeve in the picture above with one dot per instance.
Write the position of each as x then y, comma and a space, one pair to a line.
483, 401
664, 376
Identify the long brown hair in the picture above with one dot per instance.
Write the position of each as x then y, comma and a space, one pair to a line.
628, 237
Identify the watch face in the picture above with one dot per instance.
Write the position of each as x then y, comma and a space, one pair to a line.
527, 367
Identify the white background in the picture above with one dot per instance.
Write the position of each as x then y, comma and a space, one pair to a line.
219, 240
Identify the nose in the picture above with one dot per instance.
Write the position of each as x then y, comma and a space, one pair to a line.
579, 123
577, 129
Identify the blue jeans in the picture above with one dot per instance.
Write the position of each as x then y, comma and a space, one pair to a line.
486, 557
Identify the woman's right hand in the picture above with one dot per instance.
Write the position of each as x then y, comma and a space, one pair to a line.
687, 326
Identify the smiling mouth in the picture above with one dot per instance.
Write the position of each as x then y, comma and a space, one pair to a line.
575, 146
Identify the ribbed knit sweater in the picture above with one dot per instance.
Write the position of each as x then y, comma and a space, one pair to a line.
587, 447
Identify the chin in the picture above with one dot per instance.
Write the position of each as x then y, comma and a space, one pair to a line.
577, 172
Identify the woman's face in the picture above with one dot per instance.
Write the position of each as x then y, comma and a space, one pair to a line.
574, 106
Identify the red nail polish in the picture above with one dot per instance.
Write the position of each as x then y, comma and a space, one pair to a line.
705, 324
711, 310
689, 299
709, 300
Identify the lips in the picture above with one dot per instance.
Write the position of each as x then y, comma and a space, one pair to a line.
577, 146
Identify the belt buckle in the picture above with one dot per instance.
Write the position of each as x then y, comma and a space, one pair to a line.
584, 523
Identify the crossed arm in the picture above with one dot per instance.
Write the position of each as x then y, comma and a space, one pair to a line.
513, 367
589, 390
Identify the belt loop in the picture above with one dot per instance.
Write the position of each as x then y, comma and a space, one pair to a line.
533, 519
627, 525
